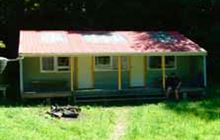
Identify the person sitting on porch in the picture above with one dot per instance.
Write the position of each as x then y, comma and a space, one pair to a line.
173, 84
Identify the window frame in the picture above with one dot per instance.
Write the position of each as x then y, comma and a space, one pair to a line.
41, 65
157, 69
112, 68
104, 69
55, 63
62, 67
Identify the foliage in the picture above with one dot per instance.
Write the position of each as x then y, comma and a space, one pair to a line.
129, 14
2, 45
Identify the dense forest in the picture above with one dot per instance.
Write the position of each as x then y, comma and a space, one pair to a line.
197, 19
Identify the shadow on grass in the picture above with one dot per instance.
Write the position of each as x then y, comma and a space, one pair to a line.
32, 102
44, 102
122, 103
208, 109
203, 108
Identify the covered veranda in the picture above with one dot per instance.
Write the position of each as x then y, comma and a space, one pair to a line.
128, 44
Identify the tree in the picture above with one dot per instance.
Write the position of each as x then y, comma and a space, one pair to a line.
2, 45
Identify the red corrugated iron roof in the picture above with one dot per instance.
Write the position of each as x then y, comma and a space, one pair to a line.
104, 42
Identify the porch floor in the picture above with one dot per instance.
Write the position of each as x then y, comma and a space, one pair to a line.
89, 93
96, 95
33, 95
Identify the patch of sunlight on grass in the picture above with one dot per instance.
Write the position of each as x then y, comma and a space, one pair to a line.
24, 123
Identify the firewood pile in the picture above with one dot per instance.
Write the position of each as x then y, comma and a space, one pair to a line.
64, 111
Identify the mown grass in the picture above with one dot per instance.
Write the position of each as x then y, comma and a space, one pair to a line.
169, 120
198, 120
31, 123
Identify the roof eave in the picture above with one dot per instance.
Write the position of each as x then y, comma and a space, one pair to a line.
201, 53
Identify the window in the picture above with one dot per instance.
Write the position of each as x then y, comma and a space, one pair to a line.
103, 62
155, 62
106, 63
124, 63
170, 62
47, 64
63, 64
54, 64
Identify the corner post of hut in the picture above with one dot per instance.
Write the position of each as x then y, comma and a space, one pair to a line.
205, 70
21, 76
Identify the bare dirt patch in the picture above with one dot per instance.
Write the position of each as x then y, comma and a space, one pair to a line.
121, 126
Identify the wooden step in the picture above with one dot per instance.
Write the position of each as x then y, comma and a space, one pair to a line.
83, 99
118, 99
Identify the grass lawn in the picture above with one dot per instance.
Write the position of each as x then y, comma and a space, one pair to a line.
31, 123
166, 120
175, 121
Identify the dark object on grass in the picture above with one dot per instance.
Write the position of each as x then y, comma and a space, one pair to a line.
64, 111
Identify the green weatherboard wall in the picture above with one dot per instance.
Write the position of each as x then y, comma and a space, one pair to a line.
109, 79
31, 72
188, 69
